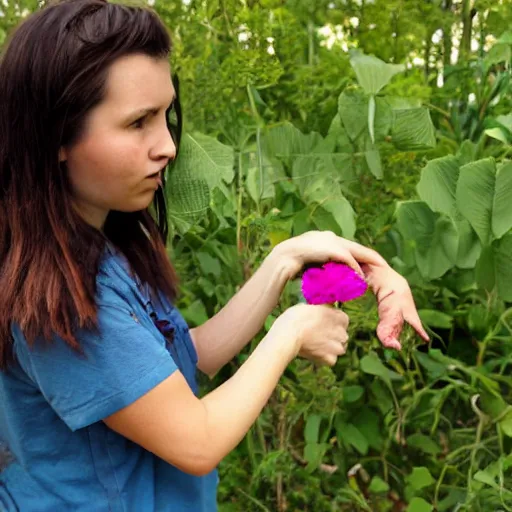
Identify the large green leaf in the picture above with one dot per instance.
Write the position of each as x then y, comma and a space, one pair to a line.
383, 118
188, 198
339, 134
328, 195
261, 176
502, 205
435, 237
353, 112
506, 121
438, 184
469, 245
284, 141
484, 197
413, 129
203, 163
374, 162
372, 73
372, 365
503, 266
494, 269
210, 159
498, 134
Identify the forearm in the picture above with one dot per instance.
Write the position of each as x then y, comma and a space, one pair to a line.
233, 407
222, 337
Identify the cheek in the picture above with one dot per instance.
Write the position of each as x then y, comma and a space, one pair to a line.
101, 163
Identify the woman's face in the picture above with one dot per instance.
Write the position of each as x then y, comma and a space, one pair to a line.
117, 162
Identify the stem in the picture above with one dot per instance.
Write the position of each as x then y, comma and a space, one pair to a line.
311, 44
239, 204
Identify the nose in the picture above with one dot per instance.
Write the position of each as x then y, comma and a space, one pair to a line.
164, 148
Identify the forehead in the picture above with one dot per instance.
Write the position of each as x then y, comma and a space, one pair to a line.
136, 81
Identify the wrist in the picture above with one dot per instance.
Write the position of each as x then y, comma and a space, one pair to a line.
286, 260
285, 336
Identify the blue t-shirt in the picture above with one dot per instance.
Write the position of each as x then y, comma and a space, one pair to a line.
53, 400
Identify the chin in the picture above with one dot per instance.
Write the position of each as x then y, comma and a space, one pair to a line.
135, 206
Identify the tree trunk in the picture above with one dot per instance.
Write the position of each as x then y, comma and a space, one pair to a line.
447, 37
467, 25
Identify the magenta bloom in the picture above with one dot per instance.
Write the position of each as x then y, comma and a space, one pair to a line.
334, 282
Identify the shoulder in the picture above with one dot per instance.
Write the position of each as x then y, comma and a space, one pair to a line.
115, 285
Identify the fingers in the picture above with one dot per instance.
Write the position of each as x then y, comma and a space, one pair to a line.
330, 360
412, 318
342, 253
338, 317
336, 350
364, 254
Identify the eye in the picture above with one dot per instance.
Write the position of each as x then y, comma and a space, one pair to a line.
139, 123
174, 122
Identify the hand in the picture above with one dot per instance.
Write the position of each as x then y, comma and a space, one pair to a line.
320, 332
394, 297
395, 304
323, 246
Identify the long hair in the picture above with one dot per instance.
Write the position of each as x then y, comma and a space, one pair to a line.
53, 71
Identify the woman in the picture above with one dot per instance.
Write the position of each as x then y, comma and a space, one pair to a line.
98, 397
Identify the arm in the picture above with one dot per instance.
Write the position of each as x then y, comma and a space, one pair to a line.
222, 337
195, 434
219, 339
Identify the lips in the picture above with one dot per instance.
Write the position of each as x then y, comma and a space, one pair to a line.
157, 176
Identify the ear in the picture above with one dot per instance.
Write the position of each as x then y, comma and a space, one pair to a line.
62, 155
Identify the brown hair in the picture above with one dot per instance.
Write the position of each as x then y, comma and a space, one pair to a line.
52, 73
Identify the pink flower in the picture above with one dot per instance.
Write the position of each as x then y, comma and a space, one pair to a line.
334, 282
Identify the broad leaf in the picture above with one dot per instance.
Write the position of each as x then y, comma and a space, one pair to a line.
438, 184
374, 162
506, 121
350, 435
484, 197
352, 393
419, 505
494, 269
210, 159
259, 179
413, 130
383, 118
434, 318
312, 428
203, 164
284, 141
435, 237
328, 195
420, 478
502, 204
503, 266
498, 134
188, 197
372, 365
372, 73
424, 444
353, 112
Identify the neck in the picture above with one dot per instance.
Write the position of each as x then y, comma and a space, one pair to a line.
96, 217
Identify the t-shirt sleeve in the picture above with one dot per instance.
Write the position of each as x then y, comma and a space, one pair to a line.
120, 362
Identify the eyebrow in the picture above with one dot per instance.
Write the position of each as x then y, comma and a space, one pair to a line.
142, 112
